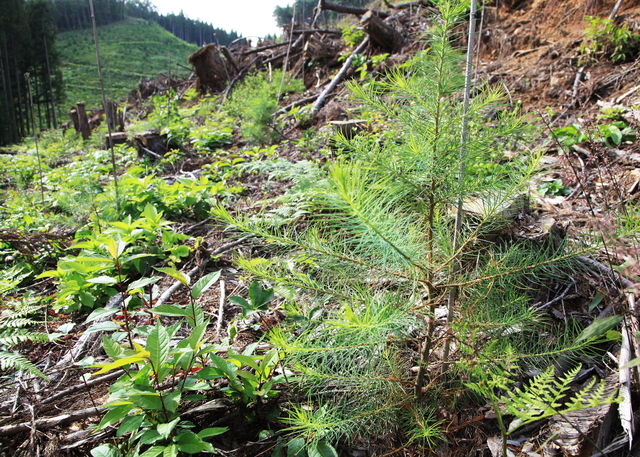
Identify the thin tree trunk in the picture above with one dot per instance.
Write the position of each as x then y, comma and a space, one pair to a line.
22, 123
8, 95
53, 98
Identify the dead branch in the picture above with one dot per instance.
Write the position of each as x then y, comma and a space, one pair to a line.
303, 101
338, 78
9, 430
310, 31
265, 48
79, 387
229, 56
278, 57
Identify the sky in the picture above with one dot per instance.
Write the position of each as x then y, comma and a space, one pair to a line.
247, 17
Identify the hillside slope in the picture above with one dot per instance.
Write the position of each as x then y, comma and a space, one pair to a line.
129, 50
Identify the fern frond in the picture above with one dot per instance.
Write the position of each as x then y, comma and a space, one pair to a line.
9, 340
10, 360
545, 397
21, 322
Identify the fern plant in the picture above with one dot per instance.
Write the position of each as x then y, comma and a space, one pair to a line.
16, 318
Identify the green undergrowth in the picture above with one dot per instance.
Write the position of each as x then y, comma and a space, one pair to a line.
403, 293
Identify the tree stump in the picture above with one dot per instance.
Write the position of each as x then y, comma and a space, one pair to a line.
211, 69
83, 121
381, 33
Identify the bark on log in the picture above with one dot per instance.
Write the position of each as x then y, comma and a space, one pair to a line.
350, 9
210, 68
339, 77
381, 34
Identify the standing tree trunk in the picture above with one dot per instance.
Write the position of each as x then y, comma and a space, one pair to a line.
51, 95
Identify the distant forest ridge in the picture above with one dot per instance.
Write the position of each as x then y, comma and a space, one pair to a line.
75, 14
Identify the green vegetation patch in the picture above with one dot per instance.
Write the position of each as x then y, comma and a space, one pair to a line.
129, 50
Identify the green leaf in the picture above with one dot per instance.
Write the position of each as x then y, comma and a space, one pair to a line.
172, 400
190, 443
247, 360
143, 282
111, 348
196, 335
596, 300
209, 373
170, 310
212, 431
149, 401
103, 280
199, 316
322, 449
204, 284
101, 313
118, 363
240, 302
295, 448
599, 327
158, 347
164, 430
632, 363
105, 450
615, 134
170, 451
175, 274
103, 327
150, 212
130, 424
114, 415
153, 451
150, 437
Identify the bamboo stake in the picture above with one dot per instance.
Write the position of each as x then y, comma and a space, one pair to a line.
464, 136
104, 104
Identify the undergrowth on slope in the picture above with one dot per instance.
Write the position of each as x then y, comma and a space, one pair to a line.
374, 259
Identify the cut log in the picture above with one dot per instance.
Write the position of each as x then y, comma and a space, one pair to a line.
350, 9
381, 34
210, 68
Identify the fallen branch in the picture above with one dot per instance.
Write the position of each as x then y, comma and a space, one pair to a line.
79, 387
310, 31
264, 48
339, 77
9, 430
302, 101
